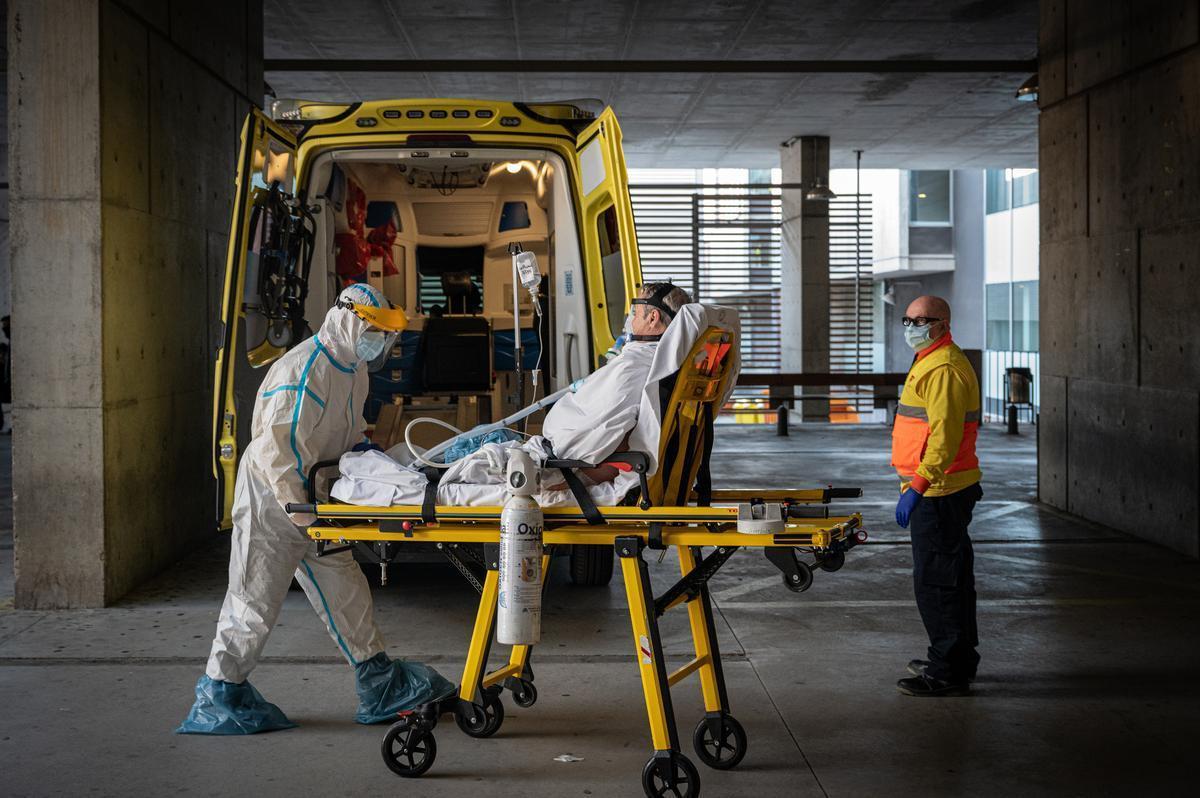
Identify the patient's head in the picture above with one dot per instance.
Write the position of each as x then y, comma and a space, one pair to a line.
649, 320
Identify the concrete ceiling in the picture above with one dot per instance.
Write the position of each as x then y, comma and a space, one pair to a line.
899, 119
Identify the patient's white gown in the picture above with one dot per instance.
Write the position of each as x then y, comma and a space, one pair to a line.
587, 425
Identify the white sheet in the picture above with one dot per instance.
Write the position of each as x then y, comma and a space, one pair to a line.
588, 426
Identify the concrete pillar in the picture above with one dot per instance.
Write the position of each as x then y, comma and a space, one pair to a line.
1119, 432
805, 267
123, 126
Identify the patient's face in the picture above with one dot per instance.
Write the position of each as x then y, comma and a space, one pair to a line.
647, 321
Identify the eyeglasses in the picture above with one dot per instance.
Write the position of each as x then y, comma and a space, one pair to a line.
920, 321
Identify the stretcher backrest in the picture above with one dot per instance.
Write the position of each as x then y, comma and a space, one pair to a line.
690, 400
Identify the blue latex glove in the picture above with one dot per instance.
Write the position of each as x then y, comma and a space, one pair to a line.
366, 446
909, 500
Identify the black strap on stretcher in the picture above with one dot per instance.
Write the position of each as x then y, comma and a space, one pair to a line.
429, 502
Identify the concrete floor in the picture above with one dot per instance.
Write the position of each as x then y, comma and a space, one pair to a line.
1087, 686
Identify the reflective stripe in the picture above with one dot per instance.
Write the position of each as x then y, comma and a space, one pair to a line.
371, 300
307, 392
328, 614
972, 416
296, 413
332, 359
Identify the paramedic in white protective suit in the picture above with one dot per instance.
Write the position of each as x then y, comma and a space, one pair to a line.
308, 409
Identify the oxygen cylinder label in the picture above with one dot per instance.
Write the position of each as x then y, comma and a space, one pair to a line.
519, 619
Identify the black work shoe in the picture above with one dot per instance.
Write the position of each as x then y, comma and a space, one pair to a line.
917, 666
928, 686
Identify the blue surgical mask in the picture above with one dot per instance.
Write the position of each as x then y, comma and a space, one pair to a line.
918, 336
370, 345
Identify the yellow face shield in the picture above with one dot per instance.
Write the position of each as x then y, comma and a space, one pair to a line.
388, 319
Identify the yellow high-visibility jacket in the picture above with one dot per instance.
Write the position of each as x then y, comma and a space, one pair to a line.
933, 441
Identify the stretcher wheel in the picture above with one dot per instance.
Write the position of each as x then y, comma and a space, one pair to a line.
833, 561
670, 774
481, 722
526, 695
724, 749
801, 579
408, 750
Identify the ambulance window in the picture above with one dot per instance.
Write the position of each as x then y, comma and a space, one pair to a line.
612, 269
514, 216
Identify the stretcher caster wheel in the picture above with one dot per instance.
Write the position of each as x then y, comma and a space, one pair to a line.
799, 580
833, 561
408, 749
476, 721
525, 695
670, 774
720, 742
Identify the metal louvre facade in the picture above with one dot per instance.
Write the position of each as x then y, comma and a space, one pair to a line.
723, 244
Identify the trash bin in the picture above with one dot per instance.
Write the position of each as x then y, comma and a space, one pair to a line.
1020, 385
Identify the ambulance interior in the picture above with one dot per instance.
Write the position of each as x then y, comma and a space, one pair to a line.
435, 231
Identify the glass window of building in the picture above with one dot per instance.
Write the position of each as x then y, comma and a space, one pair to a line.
1025, 316
1011, 188
998, 336
929, 197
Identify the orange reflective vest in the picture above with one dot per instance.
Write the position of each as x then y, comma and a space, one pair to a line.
933, 440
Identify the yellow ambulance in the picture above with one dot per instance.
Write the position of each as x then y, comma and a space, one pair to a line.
429, 200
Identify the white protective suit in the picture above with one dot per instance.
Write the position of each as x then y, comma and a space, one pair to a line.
617, 399
308, 409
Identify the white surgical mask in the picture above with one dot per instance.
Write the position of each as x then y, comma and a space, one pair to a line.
918, 336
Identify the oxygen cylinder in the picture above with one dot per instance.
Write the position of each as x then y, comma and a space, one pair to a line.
519, 620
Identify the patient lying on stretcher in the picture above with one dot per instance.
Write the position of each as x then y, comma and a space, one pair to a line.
604, 416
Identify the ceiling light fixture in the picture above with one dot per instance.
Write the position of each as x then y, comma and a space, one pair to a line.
819, 191
1028, 92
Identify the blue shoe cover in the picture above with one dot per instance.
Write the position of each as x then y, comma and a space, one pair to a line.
386, 687
228, 708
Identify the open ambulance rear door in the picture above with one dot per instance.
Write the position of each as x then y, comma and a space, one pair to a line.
609, 240
265, 172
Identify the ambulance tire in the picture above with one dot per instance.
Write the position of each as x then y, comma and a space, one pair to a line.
591, 566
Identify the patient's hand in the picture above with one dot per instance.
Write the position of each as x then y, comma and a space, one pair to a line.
595, 476
601, 473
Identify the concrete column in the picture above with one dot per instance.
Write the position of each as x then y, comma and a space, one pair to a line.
1119, 431
805, 267
123, 128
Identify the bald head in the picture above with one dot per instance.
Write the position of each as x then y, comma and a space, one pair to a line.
931, 307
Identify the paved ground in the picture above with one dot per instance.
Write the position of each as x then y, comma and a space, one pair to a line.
1087, 687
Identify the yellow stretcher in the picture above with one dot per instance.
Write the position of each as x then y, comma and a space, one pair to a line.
676, 509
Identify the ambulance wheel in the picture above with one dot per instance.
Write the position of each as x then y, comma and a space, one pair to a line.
724, 750
670, 774
525, 695
801, 580
832, 562
591, 566
408, 750
480, 723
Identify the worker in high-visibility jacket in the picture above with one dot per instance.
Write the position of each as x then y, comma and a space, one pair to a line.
933, 452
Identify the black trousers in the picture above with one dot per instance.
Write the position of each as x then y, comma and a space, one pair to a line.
944, 581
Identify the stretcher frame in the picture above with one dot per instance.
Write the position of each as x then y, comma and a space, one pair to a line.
699, 522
